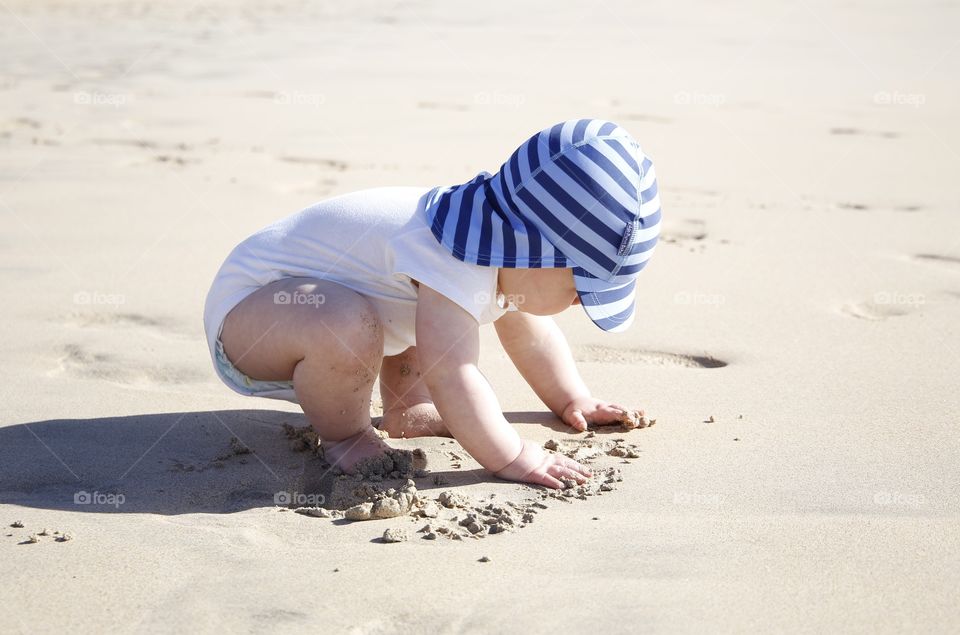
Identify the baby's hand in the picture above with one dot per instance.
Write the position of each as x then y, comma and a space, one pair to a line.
584, 410
534, 465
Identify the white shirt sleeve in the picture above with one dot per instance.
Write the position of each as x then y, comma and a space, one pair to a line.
419, 256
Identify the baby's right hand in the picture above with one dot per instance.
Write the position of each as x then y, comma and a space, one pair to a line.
535, 465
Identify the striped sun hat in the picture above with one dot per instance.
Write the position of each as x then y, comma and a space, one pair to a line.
580, 194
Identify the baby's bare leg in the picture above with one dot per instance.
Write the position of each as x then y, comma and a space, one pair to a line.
408, 410
328, 340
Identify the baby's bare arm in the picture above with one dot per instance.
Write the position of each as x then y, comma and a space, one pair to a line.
539, 350
448, 343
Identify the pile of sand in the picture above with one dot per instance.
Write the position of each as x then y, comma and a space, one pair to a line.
387, 488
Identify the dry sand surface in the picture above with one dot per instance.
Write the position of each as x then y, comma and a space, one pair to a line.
797, 335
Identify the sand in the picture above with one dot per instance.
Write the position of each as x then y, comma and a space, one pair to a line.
403, 485
804, 298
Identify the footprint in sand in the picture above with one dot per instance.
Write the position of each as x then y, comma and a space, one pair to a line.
607, 355
132, 363
332, 164
77, 361
677, 236
272, 95
690, 233
875, 311
27, 122
948, 262
886, 134
174, 159
132, 143
336, 165
158, 327
172, 156
849, 205
703, 193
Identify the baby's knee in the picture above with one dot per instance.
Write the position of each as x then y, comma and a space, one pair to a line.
355, 333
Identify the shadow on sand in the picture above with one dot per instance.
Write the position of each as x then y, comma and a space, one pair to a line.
180, 462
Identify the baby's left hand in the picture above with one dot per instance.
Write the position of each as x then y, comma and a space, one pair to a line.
584, 410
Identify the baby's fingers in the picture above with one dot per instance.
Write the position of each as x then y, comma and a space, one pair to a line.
610, 414
559, 474
569, 470
577, 421
570, 464
545, 478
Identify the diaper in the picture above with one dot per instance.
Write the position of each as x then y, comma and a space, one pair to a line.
247, 386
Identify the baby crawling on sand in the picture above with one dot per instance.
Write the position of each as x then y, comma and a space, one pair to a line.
395, 282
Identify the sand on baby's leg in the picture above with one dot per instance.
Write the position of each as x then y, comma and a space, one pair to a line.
329, 341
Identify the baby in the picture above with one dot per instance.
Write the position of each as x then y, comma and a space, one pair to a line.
395, 282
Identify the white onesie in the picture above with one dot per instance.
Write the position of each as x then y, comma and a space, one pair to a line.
373, 241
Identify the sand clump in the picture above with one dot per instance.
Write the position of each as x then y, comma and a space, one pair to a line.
395, 534
237, 448
452, 499
395, 463
635, 420
453, 515
589, 447
303, 439
385, 488
385, 504
35, 537
602, 481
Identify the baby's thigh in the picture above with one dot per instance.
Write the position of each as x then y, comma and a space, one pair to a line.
274, 328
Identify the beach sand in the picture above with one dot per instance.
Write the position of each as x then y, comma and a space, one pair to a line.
796, 336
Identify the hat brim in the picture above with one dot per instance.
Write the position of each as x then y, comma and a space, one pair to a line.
610, 305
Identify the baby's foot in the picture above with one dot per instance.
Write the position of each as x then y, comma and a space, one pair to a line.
421, 420
346, 453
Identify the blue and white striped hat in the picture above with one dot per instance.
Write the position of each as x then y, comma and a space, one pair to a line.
580, 194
